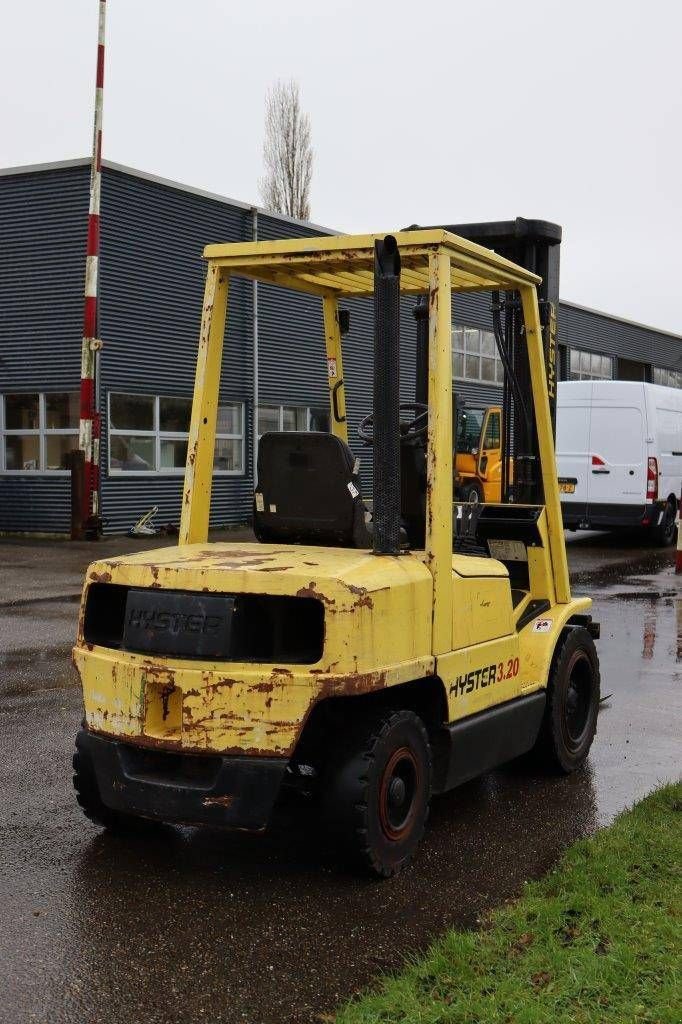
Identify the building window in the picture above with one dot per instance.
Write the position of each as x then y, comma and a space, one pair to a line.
669, 378
148, 434
38, 430
284, 417
589, 366
475, 356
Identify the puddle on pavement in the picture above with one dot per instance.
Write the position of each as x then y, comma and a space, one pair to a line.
275, 928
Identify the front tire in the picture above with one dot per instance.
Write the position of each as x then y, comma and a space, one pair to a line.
378, 791
570, 720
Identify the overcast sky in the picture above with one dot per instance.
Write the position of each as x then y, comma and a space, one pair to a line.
431, 112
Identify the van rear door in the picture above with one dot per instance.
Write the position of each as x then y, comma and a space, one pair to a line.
617, 455
664, 414
573, 443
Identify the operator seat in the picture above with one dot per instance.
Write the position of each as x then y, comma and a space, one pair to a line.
308, 491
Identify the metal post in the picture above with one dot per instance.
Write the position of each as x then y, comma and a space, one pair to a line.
438, 542
196, 494
254, 293
89, 429
76, 463
548, 479
386, 506
337, 394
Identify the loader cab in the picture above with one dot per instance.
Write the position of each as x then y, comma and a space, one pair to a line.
478, 453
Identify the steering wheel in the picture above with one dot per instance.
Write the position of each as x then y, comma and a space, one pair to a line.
409, 429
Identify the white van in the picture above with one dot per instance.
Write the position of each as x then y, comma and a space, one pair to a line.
619, 455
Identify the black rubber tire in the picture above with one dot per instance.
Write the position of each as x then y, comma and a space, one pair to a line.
570, 721
665, 534
87, 795
362, 797
473, 492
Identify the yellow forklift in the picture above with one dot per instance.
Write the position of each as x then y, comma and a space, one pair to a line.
369, 660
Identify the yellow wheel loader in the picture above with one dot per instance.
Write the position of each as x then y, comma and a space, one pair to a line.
377, 659
478, 453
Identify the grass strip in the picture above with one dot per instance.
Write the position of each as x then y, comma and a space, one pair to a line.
596, 940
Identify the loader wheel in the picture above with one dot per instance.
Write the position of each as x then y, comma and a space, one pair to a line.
378, 792
570, 720
473, 492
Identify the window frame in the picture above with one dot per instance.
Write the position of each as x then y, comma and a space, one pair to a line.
160, 435
42, 432
589, 376
667, 370
478, 355
281, 406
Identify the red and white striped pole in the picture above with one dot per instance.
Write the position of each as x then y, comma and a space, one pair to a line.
89, 434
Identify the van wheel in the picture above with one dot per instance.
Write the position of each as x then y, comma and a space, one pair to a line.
570, 720
378, 791
664, 533
473, 492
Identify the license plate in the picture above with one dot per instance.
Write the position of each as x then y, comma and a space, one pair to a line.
567, 487
177, 623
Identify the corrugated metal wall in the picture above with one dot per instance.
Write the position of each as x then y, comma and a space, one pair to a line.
151, 294
584, 328
152, 278
42, 263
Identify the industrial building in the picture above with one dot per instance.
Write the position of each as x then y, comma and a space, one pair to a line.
151, 287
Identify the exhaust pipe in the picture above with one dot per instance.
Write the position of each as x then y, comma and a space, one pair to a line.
386, 505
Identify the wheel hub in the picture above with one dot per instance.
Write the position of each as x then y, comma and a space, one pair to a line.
398, 791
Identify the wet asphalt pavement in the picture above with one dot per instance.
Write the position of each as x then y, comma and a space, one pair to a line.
177, 925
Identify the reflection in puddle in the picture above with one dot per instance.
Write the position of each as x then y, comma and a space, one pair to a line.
649, 633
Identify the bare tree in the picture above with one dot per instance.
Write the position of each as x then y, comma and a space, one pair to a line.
287, 153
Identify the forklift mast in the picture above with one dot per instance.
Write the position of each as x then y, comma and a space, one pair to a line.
534, 245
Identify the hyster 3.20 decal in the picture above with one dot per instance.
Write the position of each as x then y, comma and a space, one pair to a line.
479, 678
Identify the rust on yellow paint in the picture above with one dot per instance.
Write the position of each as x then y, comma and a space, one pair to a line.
259, 708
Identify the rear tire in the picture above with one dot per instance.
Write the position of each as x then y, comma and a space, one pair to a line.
664, 533
570, 721
378, 791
